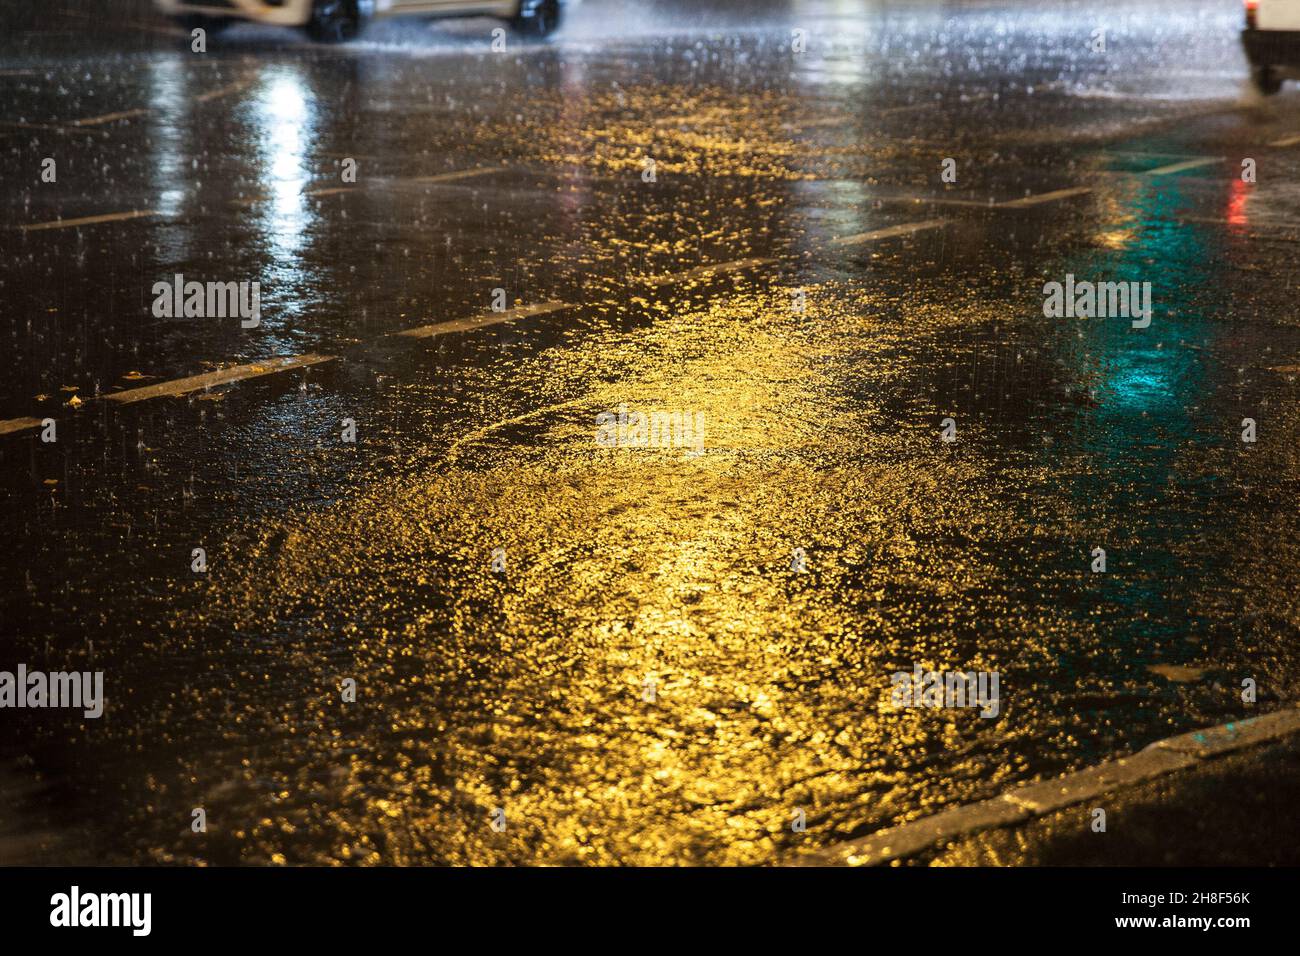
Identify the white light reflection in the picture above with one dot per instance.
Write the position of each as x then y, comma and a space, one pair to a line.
169, 166
284, 124
837, 83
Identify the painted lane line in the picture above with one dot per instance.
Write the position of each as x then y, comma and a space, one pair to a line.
330, 190
453, 176
51, 127
990, 203
106, 118
739, 265
237, 86
183, 386
481, 321
1048, 796
889, 232
14, 124
224, 376
380, 183
700, 272
90, 220
1286, 141
941, 201
934, 201
13, 425
1041, 198
1184, 165
286, 363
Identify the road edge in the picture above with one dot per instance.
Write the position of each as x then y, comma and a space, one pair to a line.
1033, 800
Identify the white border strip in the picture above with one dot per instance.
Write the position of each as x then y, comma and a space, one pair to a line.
1048, 796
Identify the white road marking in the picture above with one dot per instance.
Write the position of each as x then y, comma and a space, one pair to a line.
939, 201
889, 232
51, 127
235, 87
254, 370
1033, 200
1030, 801
13, 425
1185, 164
90, 220
482, 321
379, 183
224, 376
106, 118
330, 190
1053, 196
453, 176
969, 203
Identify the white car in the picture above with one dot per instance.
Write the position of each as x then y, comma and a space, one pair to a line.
333, 20
1272, 42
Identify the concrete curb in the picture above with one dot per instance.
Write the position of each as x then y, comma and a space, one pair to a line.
1048, 796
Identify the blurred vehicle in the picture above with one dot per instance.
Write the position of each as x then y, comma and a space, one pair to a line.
1272, 42
335, 20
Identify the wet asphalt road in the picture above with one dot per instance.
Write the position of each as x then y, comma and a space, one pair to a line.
822, 371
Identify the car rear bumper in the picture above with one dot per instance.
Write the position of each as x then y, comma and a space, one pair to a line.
296, 13
293, 13
1272, 47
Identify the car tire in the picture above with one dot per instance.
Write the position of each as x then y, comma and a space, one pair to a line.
1266, 80
538, 18
336, 21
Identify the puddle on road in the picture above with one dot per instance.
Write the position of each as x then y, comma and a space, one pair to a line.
649, 680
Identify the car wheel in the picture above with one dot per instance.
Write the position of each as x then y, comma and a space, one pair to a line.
538, 18
333, 21
1266, 79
